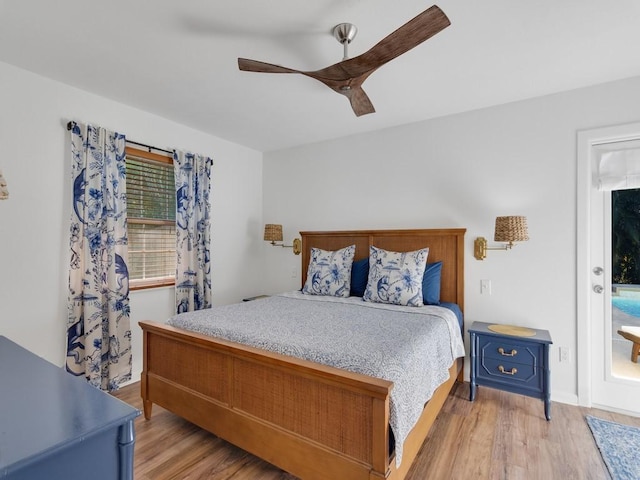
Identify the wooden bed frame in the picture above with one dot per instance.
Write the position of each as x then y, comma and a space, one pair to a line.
314, 421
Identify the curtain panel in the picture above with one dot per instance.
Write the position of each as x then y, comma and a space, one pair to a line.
98, 329
193, 231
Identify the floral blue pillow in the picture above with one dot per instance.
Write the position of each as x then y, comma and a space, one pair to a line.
396, 277
329, 273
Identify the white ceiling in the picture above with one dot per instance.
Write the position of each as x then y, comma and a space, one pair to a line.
178, 59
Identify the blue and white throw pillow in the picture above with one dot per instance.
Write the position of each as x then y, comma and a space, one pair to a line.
329, 273
396, 277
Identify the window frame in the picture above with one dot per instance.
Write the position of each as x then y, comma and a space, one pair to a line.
155, 282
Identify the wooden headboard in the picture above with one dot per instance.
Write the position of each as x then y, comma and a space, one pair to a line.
446, 245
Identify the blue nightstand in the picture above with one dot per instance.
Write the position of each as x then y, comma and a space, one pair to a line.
508, 361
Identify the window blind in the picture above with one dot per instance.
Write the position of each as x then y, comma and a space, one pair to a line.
151, 212
618, 169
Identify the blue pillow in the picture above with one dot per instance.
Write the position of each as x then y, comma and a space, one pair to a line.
431, 283
359, 277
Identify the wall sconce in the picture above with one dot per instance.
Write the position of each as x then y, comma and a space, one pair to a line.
4, 192
273, 234
508, 229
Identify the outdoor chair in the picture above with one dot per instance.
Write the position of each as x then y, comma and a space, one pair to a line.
632, 334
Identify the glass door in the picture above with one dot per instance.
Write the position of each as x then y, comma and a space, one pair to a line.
615, 379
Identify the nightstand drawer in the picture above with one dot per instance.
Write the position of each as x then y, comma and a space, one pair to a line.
509, 351
509, 373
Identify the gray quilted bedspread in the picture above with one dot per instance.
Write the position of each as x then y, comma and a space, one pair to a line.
413, 347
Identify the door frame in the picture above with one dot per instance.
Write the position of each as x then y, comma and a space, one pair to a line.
586, 141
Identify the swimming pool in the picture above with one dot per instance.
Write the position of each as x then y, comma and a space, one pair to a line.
627, 305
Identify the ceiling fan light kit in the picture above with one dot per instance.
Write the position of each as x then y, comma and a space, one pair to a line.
347, 76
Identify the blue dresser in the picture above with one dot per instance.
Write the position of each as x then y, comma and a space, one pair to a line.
54, 426
518, 364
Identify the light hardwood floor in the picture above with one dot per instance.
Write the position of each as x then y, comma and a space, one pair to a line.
499, 436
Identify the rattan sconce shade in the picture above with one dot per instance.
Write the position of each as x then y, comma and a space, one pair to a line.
4, 192
273, 232
511, 229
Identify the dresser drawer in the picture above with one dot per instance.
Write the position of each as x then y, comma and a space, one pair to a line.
509, 351
505, 372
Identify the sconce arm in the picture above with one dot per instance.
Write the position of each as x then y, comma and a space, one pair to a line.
297, 246
480, 248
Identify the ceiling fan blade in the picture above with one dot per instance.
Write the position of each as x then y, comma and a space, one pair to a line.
410, 35
359, 101
255, 66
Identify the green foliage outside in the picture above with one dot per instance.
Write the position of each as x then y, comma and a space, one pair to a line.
626, 236
150, 190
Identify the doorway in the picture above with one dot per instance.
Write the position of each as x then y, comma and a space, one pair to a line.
602, 155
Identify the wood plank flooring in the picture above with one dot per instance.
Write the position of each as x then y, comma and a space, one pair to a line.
499, 436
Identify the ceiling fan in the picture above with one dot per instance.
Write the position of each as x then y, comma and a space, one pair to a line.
346, 77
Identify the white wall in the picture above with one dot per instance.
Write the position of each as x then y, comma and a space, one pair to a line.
463, 171
34, 221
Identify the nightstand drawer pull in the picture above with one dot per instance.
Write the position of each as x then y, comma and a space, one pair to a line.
513, 371
513, 353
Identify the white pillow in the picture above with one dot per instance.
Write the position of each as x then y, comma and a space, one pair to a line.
329, 272
396, 277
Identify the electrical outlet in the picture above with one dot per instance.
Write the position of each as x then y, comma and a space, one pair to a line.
294, 272
485, 287
565, 354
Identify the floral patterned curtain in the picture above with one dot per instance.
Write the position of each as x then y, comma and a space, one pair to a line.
193, 263
98, 329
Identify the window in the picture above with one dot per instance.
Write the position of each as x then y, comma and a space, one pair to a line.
151, 219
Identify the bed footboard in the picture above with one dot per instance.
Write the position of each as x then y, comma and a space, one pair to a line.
314, 421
